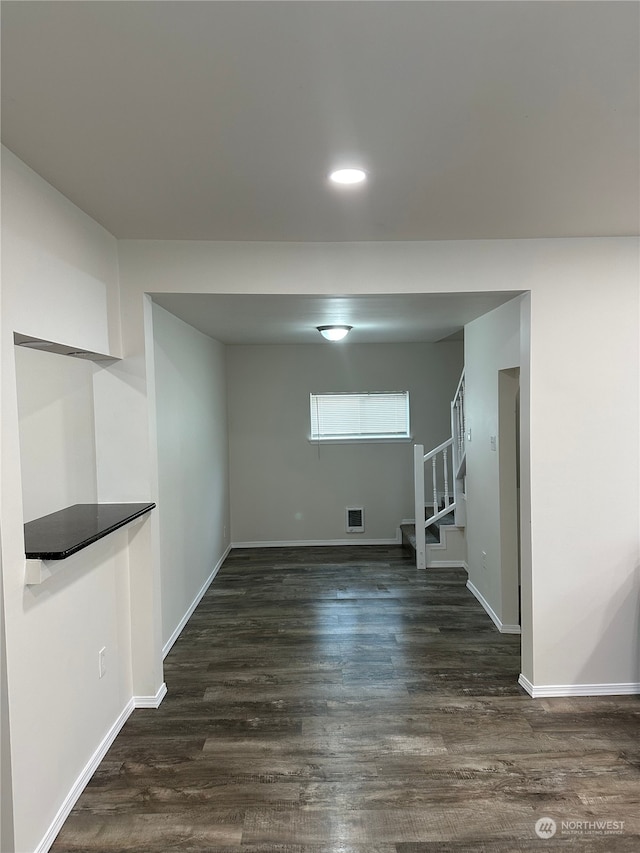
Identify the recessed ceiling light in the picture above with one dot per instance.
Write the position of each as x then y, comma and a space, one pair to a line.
348, 176
334, 333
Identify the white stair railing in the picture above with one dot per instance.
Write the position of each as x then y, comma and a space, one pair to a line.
440, 459
458, 421
446, 467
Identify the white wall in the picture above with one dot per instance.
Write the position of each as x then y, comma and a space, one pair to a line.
6, 783
59, 282
57, 431
492, 343
287, 489
193, 462
584, 397
580, 622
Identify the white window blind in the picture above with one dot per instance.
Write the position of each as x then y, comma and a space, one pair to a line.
370, 415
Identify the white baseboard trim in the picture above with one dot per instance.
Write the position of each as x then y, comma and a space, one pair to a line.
81, 782
445, 564
196, 601
504, 629
628, 688
318, 543
151, 701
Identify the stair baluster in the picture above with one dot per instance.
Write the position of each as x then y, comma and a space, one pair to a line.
445, 473
433, 484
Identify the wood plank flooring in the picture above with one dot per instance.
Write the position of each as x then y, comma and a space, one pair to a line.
336, 700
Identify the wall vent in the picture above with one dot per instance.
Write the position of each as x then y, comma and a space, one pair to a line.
355, 519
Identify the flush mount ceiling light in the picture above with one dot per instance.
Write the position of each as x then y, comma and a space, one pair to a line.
348, 176
334, 333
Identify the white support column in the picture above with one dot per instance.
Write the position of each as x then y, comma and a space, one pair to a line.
418, 479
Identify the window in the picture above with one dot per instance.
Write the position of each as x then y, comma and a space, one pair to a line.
364, 416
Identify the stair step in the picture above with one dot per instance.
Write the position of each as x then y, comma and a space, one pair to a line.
408, 532
409, 536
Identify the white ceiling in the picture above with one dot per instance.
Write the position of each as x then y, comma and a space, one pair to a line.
221, 120
380, 319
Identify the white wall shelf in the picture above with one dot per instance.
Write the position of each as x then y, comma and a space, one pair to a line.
60, 349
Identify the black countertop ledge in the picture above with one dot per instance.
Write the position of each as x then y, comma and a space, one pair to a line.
63, 533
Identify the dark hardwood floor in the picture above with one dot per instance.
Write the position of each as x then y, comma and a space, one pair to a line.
336, 700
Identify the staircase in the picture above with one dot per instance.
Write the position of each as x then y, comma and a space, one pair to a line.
439, 541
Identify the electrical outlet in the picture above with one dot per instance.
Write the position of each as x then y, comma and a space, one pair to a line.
102, 664
484, 560
493, 442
